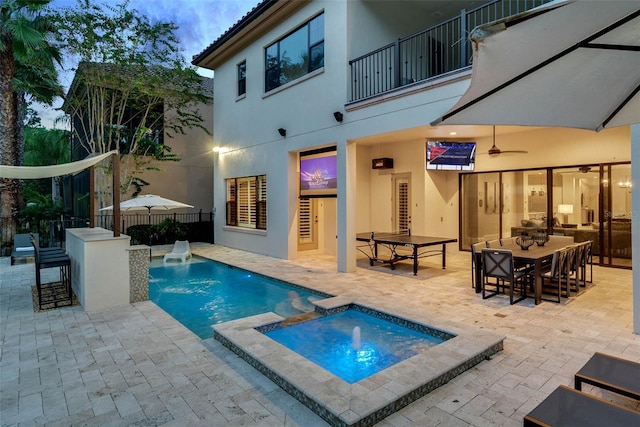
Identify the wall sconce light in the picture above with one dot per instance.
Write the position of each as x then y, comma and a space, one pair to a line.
282, 131
338, 116
625, 184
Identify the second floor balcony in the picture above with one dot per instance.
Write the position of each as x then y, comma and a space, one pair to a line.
430, 53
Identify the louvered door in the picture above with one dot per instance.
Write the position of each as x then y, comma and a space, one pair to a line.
401, 217
307, 224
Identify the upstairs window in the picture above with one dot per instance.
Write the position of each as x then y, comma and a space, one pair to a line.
247, 202
242, 78
295, 55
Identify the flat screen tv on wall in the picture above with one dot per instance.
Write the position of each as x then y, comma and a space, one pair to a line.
450, 155
318, 174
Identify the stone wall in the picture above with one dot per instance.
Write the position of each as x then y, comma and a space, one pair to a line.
139, 273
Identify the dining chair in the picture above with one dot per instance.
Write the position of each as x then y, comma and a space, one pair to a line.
495, 243
587, 262
554, 278
498, 272
507, 241
476, 250
567, 240
567, 269
576, 275
583, 258
574, 256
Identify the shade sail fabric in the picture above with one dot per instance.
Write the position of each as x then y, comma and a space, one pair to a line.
149, 202
37, 172
568, 64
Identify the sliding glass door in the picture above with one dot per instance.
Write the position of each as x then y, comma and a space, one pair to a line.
594, 203
589, 202
525, 202
480, 216
616, 217
575, 202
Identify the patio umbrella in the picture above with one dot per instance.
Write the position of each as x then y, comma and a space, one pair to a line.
568, 64
149, 202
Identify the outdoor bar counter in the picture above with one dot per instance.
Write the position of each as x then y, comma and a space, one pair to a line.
99, 267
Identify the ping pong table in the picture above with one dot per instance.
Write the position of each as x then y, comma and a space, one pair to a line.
402, 239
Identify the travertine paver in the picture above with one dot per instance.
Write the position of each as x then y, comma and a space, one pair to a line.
135, 365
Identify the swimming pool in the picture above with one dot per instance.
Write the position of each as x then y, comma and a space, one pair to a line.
200, 293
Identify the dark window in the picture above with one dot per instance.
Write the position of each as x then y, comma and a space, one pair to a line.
296, 54
242, 78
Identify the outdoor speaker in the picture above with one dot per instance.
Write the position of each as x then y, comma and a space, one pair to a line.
382, 163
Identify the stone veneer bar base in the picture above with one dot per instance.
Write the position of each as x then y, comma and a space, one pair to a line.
138, 273
372, 399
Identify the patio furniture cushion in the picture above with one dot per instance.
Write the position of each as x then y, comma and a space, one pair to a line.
611, 373
568, 407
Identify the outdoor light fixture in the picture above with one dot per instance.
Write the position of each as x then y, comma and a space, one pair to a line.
282, 131
338, 116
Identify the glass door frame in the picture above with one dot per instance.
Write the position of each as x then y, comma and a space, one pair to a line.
605, 198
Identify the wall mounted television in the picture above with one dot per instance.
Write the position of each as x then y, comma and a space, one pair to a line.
318, 173
451, 155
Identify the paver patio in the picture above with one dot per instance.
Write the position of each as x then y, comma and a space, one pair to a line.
135, 365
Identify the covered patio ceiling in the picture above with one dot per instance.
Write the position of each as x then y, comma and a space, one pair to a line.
462, 132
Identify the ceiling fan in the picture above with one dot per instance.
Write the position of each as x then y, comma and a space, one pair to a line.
495, 151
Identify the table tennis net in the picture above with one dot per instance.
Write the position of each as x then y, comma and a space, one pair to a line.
389, 234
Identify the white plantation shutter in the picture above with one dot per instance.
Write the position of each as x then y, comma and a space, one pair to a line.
247, 202
305, 231
261, 205
403, 206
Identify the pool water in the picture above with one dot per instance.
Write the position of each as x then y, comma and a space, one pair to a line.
353, 345
200, 293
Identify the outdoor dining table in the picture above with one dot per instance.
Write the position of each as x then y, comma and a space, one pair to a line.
535, 255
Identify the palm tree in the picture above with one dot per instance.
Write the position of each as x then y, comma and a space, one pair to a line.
26, 69
44, 147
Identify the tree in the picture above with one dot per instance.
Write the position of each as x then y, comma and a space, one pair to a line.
131, 87
47, 147
27, 69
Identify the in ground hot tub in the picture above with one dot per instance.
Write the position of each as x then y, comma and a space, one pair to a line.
409, 372
353, 344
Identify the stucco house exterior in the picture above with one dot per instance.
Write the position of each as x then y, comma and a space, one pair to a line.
297, 79
188, 180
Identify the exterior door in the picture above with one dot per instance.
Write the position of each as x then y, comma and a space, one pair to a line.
615, 221
401, 215
307, 224
481, 201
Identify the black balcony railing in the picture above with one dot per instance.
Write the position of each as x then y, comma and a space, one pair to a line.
431, 52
